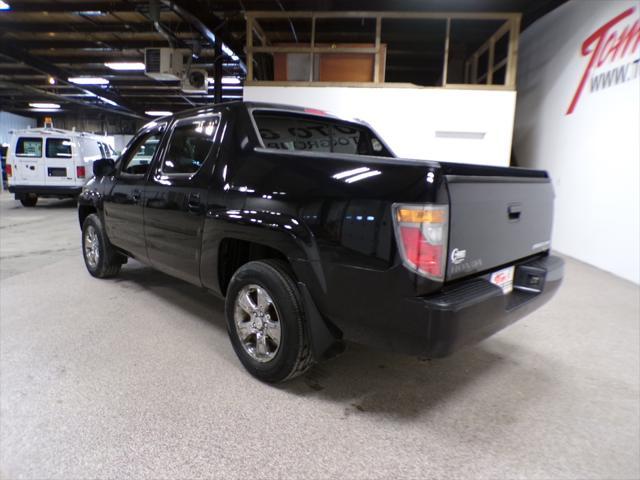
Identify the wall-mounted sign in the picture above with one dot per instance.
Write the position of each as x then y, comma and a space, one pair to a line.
612, 55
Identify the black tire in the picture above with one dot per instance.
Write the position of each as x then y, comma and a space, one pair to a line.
29, 200
293, 356
108, 261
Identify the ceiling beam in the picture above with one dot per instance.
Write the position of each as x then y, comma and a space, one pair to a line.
44, 94
105, 27
62, 75
62, 7
80, 44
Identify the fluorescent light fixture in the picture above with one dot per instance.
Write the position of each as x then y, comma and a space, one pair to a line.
44, 110
90, 13
158, 113
225, 80
4, 5
44, 105
89, 80
123, 66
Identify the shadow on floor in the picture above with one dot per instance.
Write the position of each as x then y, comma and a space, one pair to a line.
364, 380
48, 204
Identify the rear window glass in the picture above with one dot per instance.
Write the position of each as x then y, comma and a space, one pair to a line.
286, 131
58, 148
29, 147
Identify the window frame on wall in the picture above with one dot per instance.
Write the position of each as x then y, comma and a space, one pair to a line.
510, 28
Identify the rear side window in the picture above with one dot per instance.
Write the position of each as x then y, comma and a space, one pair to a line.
190, 144
29, 147
58, 148
290, 131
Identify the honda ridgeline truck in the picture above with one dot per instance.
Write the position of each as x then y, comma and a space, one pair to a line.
315, 233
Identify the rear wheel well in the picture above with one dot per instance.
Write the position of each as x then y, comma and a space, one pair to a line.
234, 253
84, 211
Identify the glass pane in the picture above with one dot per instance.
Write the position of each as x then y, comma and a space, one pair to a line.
190, 145
29, 147
138, 162
58, 148
302, 132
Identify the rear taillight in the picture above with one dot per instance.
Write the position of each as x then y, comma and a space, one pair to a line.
421, 233
80, 172
8, 169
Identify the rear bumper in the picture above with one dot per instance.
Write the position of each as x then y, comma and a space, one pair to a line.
475, 310
461, 314
45, 191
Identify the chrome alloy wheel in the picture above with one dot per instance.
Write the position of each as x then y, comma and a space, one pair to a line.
91, 247
257, 323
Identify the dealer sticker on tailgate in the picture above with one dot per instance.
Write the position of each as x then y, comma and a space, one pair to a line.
503, 279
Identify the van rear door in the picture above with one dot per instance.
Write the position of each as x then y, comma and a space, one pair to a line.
29, 160
59, 165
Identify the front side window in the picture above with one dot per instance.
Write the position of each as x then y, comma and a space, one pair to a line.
140, 155
191, 142
29, 147
58, 148
291, 131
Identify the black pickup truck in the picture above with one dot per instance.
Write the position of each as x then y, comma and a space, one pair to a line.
316, 233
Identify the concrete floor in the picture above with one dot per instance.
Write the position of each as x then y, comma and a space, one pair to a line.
135, 377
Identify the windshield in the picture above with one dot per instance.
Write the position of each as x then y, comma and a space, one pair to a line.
292, 131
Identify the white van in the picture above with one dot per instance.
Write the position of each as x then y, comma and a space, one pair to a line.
49, 162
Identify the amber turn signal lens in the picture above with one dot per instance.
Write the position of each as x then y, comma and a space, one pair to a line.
421, 216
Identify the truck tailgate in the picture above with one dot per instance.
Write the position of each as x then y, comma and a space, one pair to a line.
496, 220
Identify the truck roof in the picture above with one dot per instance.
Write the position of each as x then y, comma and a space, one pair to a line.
267, 106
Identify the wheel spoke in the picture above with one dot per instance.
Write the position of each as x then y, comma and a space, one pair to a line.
261, 343
263, 299
246, 304
244, 330
273, 331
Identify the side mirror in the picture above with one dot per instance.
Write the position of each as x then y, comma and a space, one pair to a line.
104, 167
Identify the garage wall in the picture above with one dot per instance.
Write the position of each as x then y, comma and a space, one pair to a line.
11, 121
466, 126
588, 139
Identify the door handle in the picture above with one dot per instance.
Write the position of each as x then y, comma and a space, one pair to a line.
193, 203
514, 212
135, 196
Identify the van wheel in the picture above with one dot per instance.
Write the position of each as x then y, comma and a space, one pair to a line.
100, 258
265, 320
29, 200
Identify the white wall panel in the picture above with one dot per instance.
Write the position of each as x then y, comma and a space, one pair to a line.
464, 126
11, 121
593, 150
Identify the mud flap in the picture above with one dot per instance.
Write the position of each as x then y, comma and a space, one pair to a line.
323, 343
